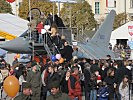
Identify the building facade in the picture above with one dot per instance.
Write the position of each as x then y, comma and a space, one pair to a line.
99, 7
102, 7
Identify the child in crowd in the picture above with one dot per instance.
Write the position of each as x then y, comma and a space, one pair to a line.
103, 91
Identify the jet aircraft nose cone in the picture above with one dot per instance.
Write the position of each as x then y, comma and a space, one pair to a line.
7, 45
2, 46
18, 45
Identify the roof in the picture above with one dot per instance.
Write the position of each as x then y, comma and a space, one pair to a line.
123, 32
12, 24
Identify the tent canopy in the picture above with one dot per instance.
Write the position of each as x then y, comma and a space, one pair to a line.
123, 32
12, 24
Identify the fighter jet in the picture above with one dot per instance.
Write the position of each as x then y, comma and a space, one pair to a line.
96, 48
18, 45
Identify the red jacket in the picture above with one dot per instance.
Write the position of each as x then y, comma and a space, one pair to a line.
39, 27
76, 90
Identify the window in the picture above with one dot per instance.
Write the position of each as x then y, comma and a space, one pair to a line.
97, 8
115, 3
131, 3
131, 18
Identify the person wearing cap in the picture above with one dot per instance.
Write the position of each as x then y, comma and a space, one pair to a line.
26, 92
56, 93
34, 77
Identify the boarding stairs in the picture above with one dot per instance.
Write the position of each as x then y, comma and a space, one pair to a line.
49, 46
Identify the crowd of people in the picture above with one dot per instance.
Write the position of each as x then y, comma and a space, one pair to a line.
121, 51
96, 79
103, 79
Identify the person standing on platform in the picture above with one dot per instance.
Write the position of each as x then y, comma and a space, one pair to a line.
39, 27
67, 52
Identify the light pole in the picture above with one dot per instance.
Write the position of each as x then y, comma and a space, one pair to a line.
53, 10
59, 9
125, 11
17, 4
70, 16
30, 19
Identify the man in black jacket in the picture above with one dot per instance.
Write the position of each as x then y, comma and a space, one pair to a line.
67, 52
120, 72
87, 75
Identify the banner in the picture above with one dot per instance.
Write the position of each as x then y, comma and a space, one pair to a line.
110, 3
130, 30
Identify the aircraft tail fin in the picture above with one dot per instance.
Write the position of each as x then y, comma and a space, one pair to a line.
102, 36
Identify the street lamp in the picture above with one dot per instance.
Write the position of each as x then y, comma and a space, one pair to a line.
30, 19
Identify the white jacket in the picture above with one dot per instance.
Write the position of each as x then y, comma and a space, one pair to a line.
124, 92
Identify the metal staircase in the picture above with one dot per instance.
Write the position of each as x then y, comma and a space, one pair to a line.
48, 50
49, 46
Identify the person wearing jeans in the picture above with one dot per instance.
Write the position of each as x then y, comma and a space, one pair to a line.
93, 94
39, 28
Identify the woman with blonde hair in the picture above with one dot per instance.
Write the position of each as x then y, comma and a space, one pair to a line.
56, 39
54, 30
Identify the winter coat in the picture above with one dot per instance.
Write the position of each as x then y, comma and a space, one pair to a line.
87, 75
58, 96
110, 80
74, 87
35, 79
64, 85
124, 92
93, 85
22, 97
120, 72
52, 77
67, 52
39, 28
57, 41
103, 93
94, 68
